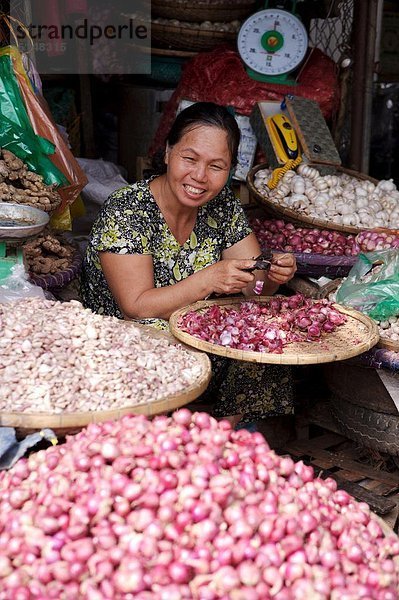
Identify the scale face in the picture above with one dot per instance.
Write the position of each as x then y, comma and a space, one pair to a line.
272, 42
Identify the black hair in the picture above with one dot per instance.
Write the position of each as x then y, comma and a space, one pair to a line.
211, 115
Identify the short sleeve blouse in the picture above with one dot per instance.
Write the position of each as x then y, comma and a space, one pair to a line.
130, 222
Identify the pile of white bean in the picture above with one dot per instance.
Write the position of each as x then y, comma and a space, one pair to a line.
389, 329
340, 198
57, 357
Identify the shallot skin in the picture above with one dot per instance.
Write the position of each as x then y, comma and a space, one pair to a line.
233, 520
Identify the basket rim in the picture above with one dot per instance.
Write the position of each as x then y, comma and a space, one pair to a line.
78, 420
388, 344
312, 258
60, 278
370, 338
297, 216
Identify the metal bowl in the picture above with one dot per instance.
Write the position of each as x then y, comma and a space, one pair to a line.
19, 221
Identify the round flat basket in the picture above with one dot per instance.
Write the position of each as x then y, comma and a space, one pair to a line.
202, 10
55, 281
188, 38
357, 335
68, 423
295, 216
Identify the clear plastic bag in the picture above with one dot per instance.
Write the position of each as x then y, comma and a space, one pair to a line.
17, 287
372, 285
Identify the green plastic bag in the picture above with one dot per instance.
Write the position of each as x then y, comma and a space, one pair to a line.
372, 285
16, 131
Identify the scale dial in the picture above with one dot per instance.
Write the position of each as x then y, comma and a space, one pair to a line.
272, 42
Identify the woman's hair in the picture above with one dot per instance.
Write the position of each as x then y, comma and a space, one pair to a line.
210, 115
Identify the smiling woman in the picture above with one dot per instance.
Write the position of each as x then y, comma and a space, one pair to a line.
163, 243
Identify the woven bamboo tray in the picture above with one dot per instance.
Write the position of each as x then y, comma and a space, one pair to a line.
56, 281
68, 423
357, 335
294, 216
388, 345
187, 38
202, 10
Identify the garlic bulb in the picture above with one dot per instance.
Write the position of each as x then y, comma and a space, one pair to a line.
341, 198
389, 329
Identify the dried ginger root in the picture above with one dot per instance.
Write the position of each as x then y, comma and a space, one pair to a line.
19, 185
47, 254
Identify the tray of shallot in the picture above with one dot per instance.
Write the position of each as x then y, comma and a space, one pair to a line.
279, 330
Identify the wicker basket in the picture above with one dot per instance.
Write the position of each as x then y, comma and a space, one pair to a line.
357, 335
278, 211
72, 422
57, 281
187, 38
203, 10
388, 344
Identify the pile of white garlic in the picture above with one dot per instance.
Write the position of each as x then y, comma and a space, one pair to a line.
59, 357
389, 329
340, 198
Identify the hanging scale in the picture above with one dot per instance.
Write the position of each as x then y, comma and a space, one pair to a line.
272, 43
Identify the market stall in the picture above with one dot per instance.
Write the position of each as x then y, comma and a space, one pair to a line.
143, 498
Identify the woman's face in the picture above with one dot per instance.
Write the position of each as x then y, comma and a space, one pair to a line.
198, 165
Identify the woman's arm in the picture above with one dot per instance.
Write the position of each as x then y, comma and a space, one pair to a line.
130, 278
282, 269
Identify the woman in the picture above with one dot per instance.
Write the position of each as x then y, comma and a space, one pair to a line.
161, 244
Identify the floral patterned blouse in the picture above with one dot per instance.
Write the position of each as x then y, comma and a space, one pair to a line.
130, 222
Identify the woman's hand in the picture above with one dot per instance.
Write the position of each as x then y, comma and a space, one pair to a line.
228, 276
282, 269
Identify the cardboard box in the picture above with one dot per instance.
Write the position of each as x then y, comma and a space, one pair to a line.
307, 119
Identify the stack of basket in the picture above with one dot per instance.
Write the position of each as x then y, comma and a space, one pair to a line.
197, 31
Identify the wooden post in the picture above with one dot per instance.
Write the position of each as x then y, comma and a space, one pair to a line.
365, 23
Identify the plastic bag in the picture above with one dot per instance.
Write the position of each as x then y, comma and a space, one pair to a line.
372, 285
12, 449
17, 287
36, 120
16, 132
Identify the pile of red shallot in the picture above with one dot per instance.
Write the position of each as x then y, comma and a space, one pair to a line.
279, 235
264, 327
184, 508
369, 241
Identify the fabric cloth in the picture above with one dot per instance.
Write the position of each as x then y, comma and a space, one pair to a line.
253, 390
130, 222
